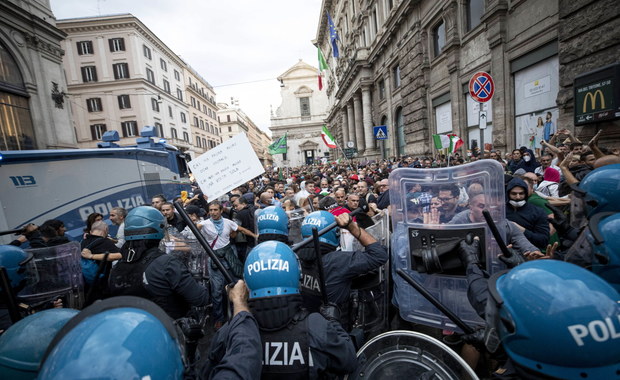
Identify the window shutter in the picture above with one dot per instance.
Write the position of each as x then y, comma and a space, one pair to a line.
111, 44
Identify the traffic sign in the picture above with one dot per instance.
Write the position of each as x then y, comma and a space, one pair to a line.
380, 132
481, 87
482, 119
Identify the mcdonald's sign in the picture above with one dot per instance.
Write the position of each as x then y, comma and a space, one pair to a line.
597, 95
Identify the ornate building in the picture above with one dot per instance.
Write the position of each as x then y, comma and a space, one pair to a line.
301, 115
34, 113
122, 77
407, 64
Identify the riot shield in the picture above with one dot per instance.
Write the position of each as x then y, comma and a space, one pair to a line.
409, 355
185, 247
369, 292
59, 276
432, 210
295, 220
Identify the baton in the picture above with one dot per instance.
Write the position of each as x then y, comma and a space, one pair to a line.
8, 232
498, 238
9, 292
319, 261
203, 242
453, 317
326, 229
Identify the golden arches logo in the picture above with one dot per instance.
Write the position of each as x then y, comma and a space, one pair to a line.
593, 98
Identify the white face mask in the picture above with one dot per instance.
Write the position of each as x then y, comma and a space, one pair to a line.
517, 203
535, 186
527, 158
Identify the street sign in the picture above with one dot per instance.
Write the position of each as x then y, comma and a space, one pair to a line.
350, 152
481, 87
380, 132
482, 119
597, 95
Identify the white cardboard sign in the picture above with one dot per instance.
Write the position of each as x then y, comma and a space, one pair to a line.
226, 166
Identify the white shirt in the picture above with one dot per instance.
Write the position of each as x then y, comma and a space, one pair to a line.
208, 229
120, 235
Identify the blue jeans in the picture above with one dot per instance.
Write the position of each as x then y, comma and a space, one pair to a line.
218, 285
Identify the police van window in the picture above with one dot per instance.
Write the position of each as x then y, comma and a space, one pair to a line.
182, 164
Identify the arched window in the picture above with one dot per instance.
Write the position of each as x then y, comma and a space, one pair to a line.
16, 130
400, 131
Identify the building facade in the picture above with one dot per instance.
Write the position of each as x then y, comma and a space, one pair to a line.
233, 120
202, 112
301, 116
34, 112
122, 77
407, 65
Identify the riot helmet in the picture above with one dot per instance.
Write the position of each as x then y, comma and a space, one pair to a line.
271, 269
272, 220
320, 220
23, 345
604, 237
144, 223
545, 301
117, 338
602, 189
19, 266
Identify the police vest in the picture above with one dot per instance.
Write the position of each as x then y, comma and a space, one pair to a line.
126, 277
310, 288
286, 353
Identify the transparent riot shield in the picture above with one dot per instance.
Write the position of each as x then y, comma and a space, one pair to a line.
409, 355
187, 248
369, 292
59, 276
432, 210
295, 220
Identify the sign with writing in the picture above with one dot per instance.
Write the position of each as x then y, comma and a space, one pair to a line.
226, 166
350, 152
597, 95
537, 87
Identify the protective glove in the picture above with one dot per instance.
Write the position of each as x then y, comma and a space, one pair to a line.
469, 251
331, 312
515, 259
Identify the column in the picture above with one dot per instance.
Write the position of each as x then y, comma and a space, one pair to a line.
351, 122
367, 123
345, 127
359, 127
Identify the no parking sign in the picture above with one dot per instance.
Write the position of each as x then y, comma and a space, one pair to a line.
481, 87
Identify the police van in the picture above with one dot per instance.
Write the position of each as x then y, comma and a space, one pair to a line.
70, 184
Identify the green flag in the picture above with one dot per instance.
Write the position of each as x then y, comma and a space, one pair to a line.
278, 146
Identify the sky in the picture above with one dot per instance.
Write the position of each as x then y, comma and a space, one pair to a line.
226, 42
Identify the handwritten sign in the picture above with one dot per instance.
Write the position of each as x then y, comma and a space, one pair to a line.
226, 166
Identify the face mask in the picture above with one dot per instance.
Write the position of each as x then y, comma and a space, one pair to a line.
527, 158
517, 204
535, 186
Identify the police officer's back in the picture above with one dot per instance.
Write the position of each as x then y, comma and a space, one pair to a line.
296, 344
145, 271
340, 267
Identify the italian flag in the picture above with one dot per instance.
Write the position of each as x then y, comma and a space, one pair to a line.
322, 67
450, 142
327, 138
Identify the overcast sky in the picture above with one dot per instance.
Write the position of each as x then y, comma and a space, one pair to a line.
227, 42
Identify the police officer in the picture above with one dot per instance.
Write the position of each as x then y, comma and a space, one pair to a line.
546, 301
340, 267
145, 271
272, 224
20, 269
296, 344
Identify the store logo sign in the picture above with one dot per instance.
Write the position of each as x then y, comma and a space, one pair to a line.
593, 97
